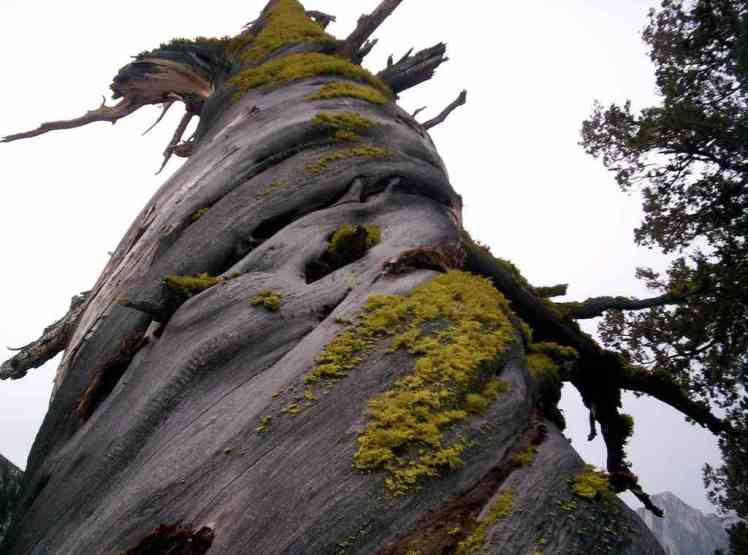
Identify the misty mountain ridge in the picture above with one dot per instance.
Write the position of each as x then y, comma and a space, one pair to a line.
685, 530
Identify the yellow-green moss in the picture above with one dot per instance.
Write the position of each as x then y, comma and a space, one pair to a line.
558, 352
285, 23
501, 508
478, 403
268, 299
544, 358
348, 121
592, 484
191, 285
238, 43
363, 151
525, 457
470, 328
301, 66
343, 239
350, 90
199, 214
276, 185
264, 424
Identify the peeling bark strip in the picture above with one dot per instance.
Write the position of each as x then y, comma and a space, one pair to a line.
174, 540
309, 264
54, 340
104, 379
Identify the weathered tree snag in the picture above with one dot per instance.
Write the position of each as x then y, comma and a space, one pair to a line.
281, 357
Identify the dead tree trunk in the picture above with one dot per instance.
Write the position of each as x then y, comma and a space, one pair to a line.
285, 354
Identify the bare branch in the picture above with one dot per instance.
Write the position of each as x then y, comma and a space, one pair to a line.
596, 306
459, 101
174, 143
165, 109
103, 113
367, 24
551, 291
53, 340
418, 111
413, 70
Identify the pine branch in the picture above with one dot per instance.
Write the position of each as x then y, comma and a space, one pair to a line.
597, 306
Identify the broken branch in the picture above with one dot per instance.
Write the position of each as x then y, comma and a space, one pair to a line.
367, 24
364, 50
322, 18
413, 70
53, 340
174, 143
459, 101
103, 113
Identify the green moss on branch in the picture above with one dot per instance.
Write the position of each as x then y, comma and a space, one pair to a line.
362, 151
301, 66
286, 23
351, 90
268, 300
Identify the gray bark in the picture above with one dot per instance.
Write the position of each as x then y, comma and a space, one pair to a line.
169, 436
10, 490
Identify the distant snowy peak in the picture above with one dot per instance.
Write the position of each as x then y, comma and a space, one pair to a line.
10, 488
685, 530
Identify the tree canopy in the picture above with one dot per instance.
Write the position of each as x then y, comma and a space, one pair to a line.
687, 157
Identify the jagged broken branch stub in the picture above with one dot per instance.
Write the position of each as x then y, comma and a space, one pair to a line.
414, 70
54, 340
367, 25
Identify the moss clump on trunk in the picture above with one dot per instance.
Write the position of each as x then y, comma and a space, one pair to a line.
301, 66
350, 90
500, 508
286, 23
454, 366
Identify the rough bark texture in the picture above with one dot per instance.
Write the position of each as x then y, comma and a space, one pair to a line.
177, 445
10, 490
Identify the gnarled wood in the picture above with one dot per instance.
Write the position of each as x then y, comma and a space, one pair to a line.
414, 70
54, 340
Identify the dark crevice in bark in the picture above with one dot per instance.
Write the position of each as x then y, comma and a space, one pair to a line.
444, 528
172, 539
104, 379
332, 259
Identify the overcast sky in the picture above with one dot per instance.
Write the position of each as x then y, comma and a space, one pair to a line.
532, 69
